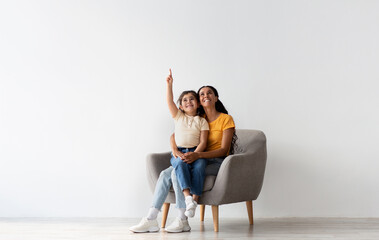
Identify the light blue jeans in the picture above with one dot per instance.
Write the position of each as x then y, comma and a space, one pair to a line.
168, 177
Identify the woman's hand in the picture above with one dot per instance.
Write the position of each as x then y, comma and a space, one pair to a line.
169, 78
177, 153
190, 157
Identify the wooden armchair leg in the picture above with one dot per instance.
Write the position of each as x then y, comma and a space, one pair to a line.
166, 207
202, 212
249, 206
215, 217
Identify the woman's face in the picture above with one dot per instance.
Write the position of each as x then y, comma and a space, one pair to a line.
207, 97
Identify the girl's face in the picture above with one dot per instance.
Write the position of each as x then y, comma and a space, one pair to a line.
189, 104
207, 97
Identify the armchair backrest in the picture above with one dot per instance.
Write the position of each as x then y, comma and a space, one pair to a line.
249, 140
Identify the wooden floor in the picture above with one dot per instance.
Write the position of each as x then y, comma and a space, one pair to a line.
117, 228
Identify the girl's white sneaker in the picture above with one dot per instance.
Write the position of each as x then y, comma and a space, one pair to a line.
190, 207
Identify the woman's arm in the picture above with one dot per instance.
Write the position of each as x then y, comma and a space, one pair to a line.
170, 96
203, 141
227, 137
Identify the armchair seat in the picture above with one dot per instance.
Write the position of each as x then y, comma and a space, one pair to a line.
239, 179
208, 183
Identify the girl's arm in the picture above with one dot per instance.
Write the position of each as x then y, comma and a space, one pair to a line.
227, 137
170, 96
174, 148
203, 141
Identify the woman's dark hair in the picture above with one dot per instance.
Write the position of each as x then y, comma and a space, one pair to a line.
179, 102
219, 108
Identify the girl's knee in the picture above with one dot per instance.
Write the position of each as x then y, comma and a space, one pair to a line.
200, 163
181, 163
175, 161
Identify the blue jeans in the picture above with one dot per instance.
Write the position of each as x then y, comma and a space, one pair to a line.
213, 166
190, 175
167, 178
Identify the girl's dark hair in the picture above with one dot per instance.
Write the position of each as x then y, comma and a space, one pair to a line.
179, 102
219, 108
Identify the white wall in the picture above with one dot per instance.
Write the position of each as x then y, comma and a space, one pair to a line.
82, 100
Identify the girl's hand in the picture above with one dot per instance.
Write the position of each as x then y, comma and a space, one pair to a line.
177, 153
169, 78
190, 157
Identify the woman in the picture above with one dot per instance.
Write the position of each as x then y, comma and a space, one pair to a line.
220, 143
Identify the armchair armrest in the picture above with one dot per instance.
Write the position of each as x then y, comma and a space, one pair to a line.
155, 163
240, 177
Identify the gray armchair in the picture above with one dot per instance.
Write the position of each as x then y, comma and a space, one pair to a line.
239, 179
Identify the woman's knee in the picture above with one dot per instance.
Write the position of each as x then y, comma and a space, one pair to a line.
166, 174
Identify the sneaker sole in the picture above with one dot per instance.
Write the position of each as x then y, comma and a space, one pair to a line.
174, 231
150, 230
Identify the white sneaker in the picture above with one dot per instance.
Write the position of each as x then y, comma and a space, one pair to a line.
190, 208
145, 225
178, 225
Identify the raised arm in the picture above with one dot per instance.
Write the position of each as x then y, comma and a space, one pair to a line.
170, 96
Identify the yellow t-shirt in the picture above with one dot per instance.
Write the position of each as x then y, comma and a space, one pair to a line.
216, 129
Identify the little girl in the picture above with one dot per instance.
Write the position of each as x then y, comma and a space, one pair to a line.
191, 133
